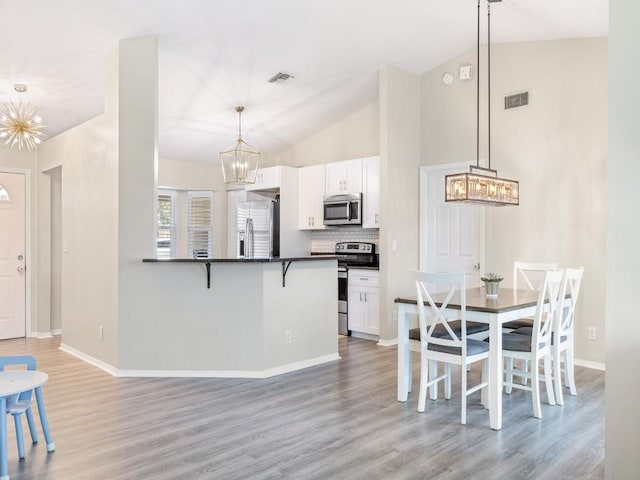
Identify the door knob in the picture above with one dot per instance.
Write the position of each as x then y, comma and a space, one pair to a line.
476, 267
21, 268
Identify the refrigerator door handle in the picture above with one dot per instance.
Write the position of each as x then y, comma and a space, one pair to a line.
249, 239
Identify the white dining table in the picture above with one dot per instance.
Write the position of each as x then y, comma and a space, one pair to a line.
509, 305
14, 382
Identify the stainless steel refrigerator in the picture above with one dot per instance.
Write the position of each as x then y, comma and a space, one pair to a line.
259, 229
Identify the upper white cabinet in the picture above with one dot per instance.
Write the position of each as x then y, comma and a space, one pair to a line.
371, 192
266, 179
310, 193
343, 177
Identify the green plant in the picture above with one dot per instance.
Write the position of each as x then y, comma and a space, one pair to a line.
492, 277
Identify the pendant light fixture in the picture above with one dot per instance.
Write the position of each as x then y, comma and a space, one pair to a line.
20, 124
239, 161
482, 185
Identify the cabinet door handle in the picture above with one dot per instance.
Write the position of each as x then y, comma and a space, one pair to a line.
313, 221
376, 218
360, 296
365, 296
364, 278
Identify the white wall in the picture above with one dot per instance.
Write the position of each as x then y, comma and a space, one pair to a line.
555, 147
355, 136
622, 440
399, 187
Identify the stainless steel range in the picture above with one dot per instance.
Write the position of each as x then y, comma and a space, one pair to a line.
351, 254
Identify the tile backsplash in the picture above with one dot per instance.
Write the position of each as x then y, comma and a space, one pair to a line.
324, 241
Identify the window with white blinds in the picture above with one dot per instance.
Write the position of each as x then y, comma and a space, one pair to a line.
166, 231
200, 224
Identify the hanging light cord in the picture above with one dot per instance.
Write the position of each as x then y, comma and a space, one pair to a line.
478, 93
239, 110
489, 83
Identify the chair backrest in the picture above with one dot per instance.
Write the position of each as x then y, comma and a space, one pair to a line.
531, 273
545, 315
29, 362
431, 315
567, 299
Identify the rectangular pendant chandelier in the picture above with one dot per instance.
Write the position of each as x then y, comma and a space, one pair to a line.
481, 189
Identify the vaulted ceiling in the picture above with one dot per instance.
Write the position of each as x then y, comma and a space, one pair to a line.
216, 54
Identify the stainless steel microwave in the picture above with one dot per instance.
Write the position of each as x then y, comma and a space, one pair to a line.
343, 209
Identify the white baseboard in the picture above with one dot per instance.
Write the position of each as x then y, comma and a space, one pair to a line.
589, 364
56, 332
41, 334
89, 359
365, 336
271, 372
388, 343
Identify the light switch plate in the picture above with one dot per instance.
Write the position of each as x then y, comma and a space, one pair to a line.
465, 72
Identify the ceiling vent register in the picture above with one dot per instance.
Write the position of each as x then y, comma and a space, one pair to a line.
520, 99
280, 77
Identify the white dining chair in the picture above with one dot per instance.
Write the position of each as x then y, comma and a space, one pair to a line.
530, 349
563, 336
440, 342
528, 276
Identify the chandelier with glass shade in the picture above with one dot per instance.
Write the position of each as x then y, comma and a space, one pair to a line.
240, 160
482, 185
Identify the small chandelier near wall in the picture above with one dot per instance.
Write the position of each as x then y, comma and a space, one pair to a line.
239, 161
20, 124
483, 187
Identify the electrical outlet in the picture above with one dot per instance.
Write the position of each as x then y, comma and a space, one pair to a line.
288, 337
100, 333
591, 333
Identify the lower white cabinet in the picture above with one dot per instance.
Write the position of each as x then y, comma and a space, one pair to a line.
363, 298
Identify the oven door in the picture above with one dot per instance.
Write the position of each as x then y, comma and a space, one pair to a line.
342, 300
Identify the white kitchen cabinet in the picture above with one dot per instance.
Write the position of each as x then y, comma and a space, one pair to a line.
266, 179
343, 177
371, 192
311, 191
363, 298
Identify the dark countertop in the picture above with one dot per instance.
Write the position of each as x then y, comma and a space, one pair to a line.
241, 260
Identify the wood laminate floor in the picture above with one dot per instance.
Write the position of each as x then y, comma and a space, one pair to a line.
336, 421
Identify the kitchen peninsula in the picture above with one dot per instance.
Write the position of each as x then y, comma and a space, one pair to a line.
259, 318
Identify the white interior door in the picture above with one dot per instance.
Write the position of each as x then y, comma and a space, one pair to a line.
12, 256
451, 235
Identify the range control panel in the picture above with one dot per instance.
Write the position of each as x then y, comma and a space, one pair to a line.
355, 247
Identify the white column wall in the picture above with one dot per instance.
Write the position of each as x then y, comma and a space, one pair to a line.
399, 187
622, 440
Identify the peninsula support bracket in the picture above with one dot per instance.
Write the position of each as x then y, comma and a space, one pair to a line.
285, 270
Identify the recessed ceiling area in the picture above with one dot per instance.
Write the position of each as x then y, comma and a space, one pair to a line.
216, 54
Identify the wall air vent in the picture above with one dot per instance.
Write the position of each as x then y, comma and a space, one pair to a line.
520, 99
280, 77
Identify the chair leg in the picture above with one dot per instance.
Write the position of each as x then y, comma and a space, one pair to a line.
433, 373
32, 426
535, 389
484, 393
557, 375
509, 381
447, 381
424, 381
568, 371
548, 379
19, 439
463, 391
524, 365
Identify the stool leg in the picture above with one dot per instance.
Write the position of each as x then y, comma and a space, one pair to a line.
43, 420
32, 426
20, 441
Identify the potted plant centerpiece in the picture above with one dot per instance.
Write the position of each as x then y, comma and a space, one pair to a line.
491, 283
